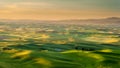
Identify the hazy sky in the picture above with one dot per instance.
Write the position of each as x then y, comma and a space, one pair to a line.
58, 9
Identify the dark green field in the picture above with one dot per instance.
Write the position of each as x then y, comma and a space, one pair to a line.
59, 46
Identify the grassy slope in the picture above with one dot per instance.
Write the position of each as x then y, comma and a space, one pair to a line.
28, 57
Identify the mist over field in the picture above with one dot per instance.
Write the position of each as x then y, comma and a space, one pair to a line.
83, 43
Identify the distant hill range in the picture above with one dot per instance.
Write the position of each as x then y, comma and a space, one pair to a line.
103, 21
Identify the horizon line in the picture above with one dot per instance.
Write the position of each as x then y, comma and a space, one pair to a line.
65, 19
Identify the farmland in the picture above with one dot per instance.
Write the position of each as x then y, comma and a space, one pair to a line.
43, 45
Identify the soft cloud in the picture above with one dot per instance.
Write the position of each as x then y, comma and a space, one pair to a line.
58, 9
25, 5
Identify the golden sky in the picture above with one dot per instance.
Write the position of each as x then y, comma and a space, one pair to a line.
58, 9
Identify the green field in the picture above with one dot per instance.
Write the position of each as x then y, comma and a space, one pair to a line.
59, 46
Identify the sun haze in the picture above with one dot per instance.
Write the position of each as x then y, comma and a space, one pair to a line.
58, 9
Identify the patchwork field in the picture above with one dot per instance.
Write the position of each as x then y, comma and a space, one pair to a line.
59, 46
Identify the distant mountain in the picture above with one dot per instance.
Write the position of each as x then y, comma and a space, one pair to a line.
113, 18
110, 20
